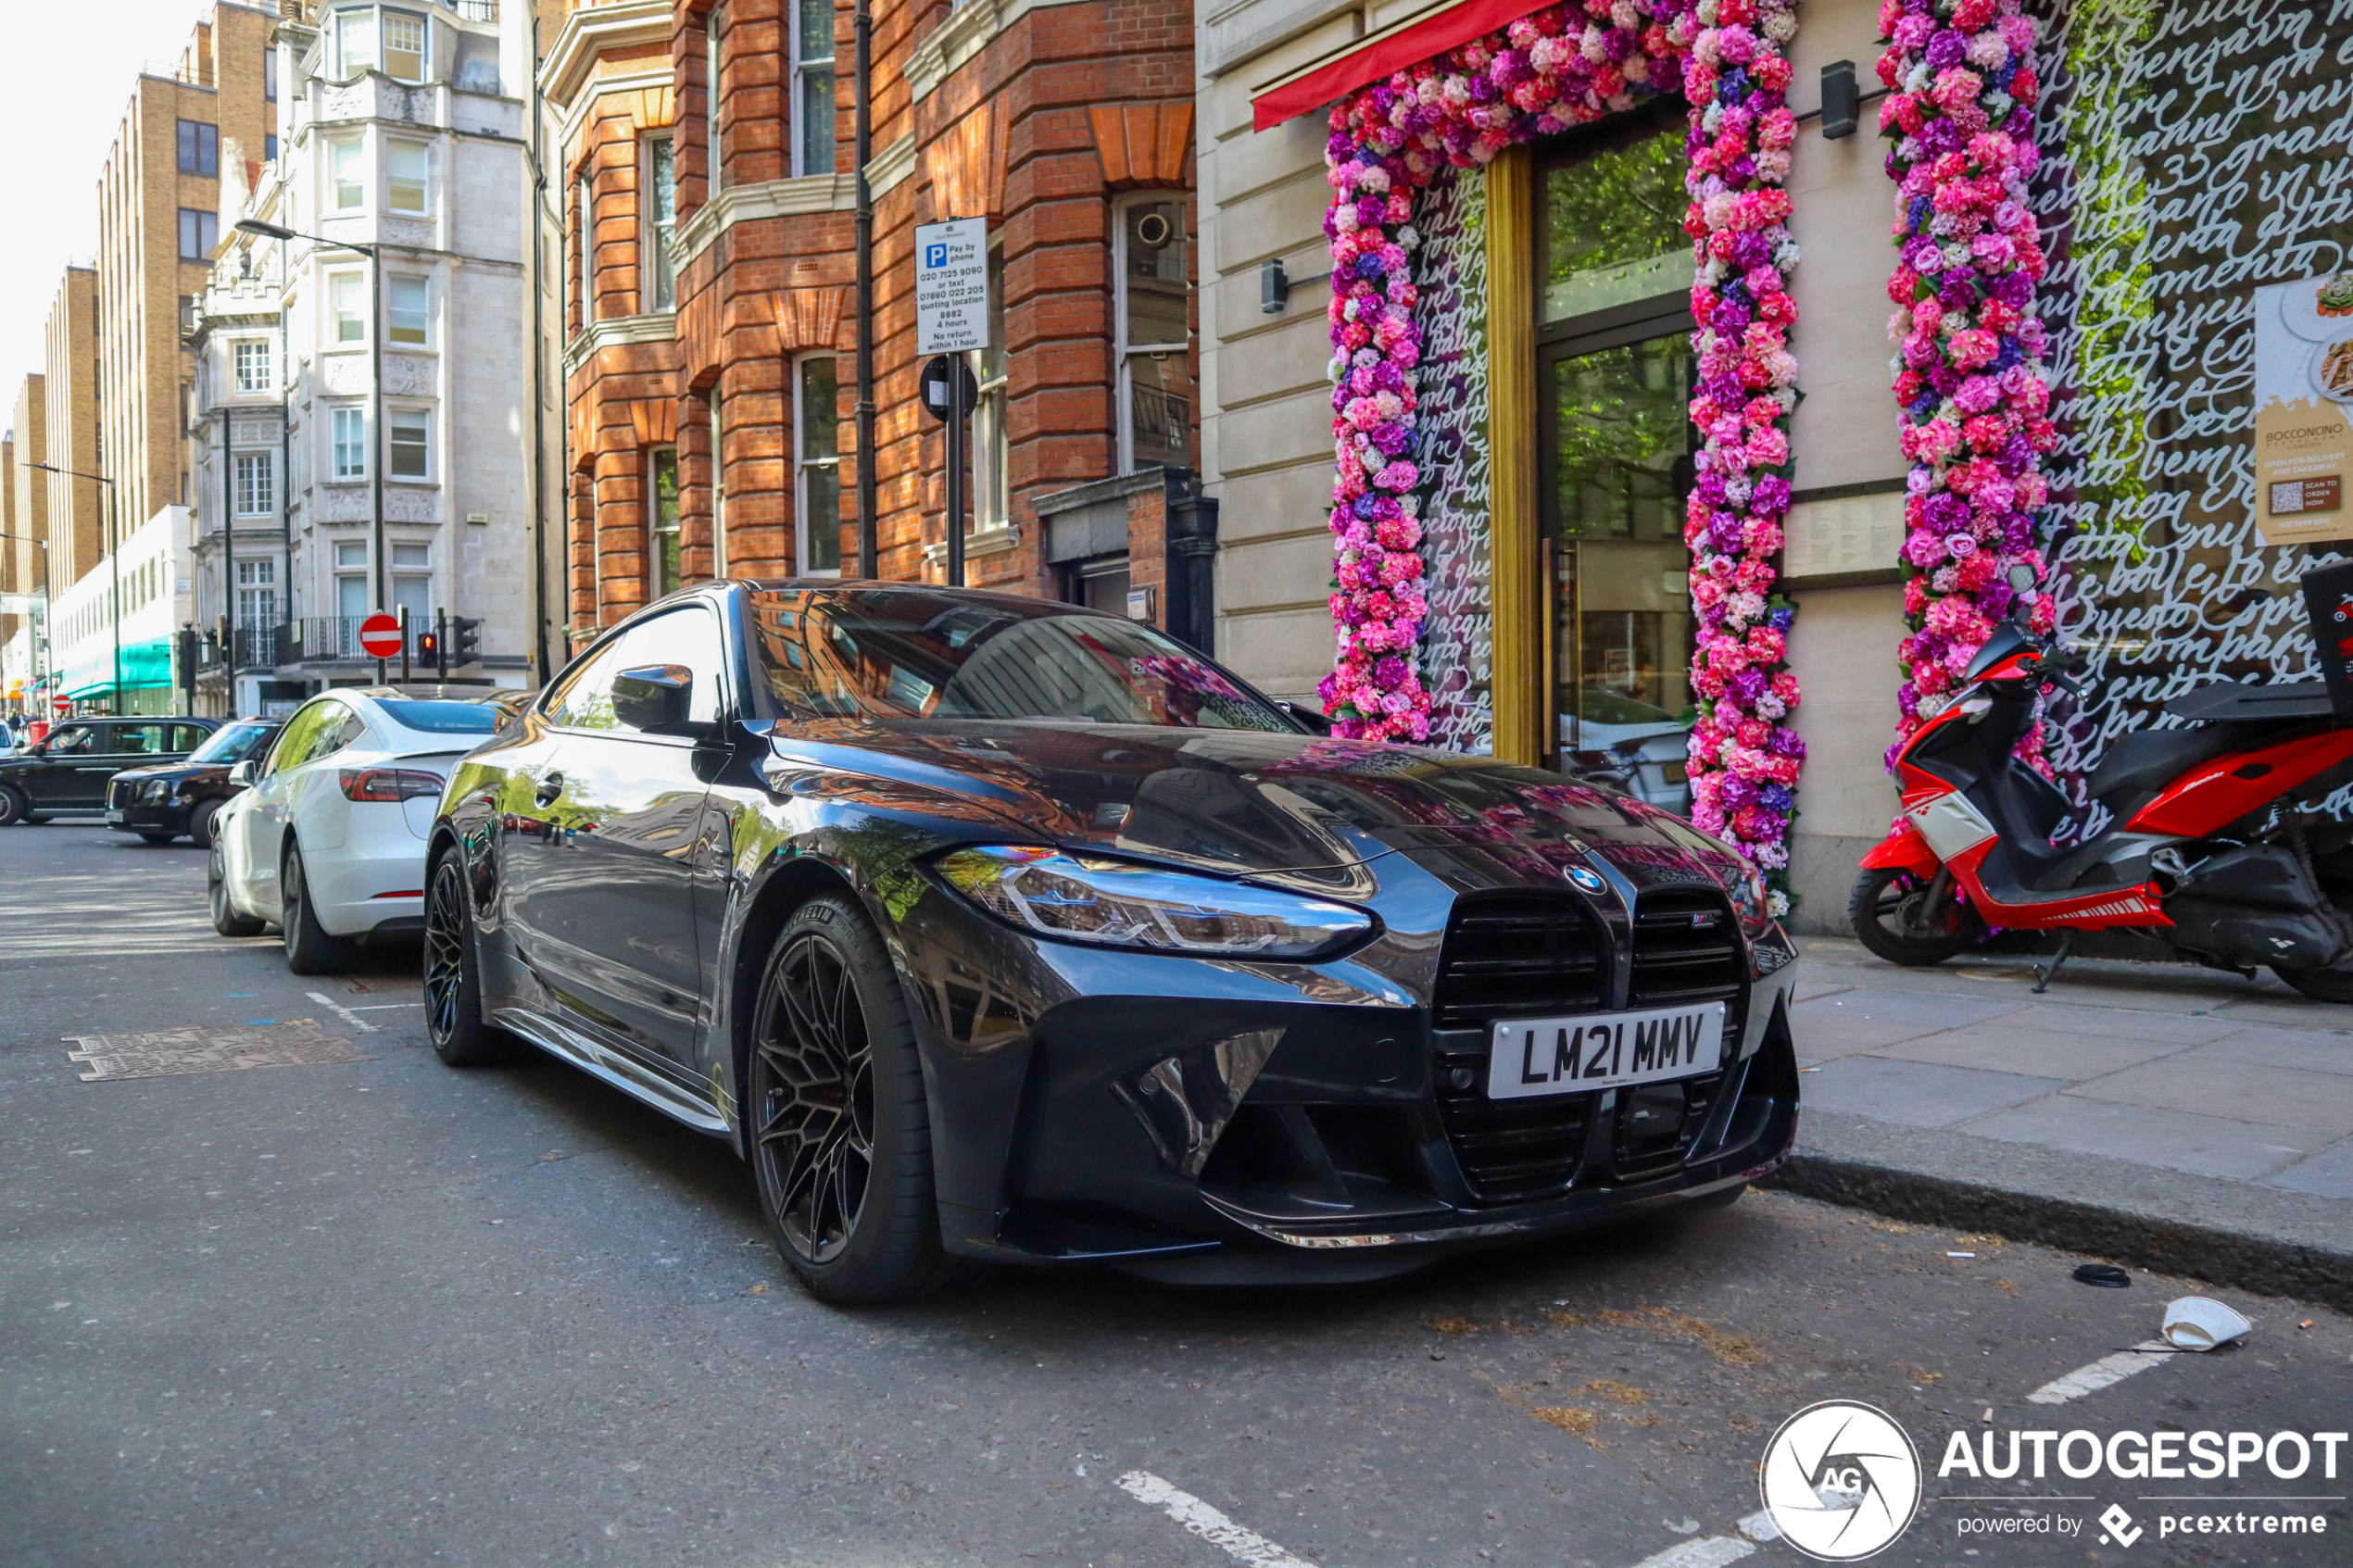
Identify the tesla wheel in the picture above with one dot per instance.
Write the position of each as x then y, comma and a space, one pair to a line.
225, 918
2320, 984
1885, 911
453, 976
840, 1142
13, 807
200, 823
310, 948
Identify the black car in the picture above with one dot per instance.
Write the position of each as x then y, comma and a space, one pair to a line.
162, 802
987, 928
67, 771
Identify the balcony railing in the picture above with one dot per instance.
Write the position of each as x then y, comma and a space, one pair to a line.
315, 638
476, 11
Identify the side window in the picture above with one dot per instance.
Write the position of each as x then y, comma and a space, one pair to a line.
689, 637
138, 740
585, 700
334, 737
299, 739
187, 738
73, 740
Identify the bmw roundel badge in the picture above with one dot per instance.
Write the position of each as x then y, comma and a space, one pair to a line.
1587, 879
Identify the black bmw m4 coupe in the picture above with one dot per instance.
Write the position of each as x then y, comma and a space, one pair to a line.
992, 929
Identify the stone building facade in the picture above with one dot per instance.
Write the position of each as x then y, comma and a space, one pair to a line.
710, 209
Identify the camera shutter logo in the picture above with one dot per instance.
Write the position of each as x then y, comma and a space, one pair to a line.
1841, 1480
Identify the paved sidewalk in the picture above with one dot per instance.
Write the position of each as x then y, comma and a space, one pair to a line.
2176, 1116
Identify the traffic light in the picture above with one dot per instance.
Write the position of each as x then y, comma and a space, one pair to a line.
428, 647
465, 639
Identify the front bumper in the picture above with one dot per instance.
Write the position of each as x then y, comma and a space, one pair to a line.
1226, 1121
164, 816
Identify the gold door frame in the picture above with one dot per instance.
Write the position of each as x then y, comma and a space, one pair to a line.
1517, 593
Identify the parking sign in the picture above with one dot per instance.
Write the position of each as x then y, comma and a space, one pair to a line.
952, 286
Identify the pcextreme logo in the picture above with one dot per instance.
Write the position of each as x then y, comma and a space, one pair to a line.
1841, 1480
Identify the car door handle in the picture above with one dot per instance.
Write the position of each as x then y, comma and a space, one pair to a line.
549, 787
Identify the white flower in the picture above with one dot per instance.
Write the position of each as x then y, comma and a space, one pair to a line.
1410, 505
1778, 903
1409, 237
1781, 27
1916, 78
1786, 255
1998, 104
1336, 368
1706, 13
1711, 120
1955, 254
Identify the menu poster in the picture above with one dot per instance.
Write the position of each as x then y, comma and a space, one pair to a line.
2304, 409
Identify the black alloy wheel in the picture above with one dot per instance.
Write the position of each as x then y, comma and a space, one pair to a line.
453, 975
13, 806
1887, 910
310, 949
840, 1143
226, 919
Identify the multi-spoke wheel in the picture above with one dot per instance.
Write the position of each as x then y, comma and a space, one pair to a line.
1888, 912
840, 1140
453, 976
227, 918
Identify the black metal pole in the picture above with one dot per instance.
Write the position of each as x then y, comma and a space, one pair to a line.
955, 470
376, 443
539, 401
862, 144
404, 644
441, 646
228, 563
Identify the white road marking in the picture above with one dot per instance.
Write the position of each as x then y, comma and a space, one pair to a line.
382, 1007
1242, 1543
1759, 1526
342, 1011
1708, 1551
2100, 1373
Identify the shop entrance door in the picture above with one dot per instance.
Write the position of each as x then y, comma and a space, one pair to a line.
1614, 372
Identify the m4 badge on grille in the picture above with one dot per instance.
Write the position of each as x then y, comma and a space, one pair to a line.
1564, 1055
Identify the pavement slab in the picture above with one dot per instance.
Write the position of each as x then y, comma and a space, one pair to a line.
1918, 1094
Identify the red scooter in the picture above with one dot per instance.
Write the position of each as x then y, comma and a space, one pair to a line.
2210, 850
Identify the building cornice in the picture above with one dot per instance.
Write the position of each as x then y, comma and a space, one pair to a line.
659, 326
890, 166
592, 30
969, 28
768, 198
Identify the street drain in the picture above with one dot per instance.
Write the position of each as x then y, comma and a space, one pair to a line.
299, 1042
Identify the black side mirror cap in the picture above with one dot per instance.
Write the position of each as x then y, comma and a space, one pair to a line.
655, 699
1306, 718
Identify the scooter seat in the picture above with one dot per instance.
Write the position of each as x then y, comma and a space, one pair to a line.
2137, 768
2247, 699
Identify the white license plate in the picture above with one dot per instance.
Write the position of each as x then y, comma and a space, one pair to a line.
1607, 1050
114, 815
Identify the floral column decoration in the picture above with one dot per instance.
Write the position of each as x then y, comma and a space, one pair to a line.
1562, 66
1968, 376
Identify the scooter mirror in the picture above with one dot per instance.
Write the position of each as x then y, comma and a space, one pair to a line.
2022, 579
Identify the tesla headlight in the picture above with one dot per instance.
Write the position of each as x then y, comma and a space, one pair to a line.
1118, 904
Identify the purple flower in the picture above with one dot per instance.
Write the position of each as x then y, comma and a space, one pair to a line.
1946, 50
1771, 496
1781, 618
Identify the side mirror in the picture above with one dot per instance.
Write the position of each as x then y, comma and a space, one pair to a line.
241, 776
2021, 580
1306, 718
655, 699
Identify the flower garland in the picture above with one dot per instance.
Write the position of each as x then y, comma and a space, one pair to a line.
1569, 64
1968, 368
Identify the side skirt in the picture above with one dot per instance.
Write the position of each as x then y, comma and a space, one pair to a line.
599, 1061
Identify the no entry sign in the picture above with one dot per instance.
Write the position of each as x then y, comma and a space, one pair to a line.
380, 636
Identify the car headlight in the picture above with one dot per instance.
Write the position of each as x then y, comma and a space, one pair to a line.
1752, 900
156, 790
1118, 904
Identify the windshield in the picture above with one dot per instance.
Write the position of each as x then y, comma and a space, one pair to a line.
891, 653
444, 718
232, 743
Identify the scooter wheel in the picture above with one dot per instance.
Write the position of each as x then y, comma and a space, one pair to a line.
2320, 984
1884, 910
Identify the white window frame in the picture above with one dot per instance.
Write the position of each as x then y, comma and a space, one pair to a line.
346, 156
424, 44
714, 171
394, 312
250, 360
992, 412
355, 39
804, 465
397, 419
391, 147
1125, 353
802, 67
718, 485
658, 239
587, 279
347, 437
257, 592
354, 278
255, 485
654, 529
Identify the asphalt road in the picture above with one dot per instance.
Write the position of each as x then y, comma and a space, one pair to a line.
378, 1312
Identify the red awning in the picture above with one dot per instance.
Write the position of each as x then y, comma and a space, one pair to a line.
1389, 50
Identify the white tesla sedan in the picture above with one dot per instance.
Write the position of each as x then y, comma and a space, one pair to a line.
328, 842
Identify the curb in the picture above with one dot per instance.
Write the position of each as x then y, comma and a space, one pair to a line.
2231, 1233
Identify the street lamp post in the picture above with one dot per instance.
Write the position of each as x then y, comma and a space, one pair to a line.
114, 558
48, 598
375, 385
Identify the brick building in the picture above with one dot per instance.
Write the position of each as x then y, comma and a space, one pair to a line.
704, 153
